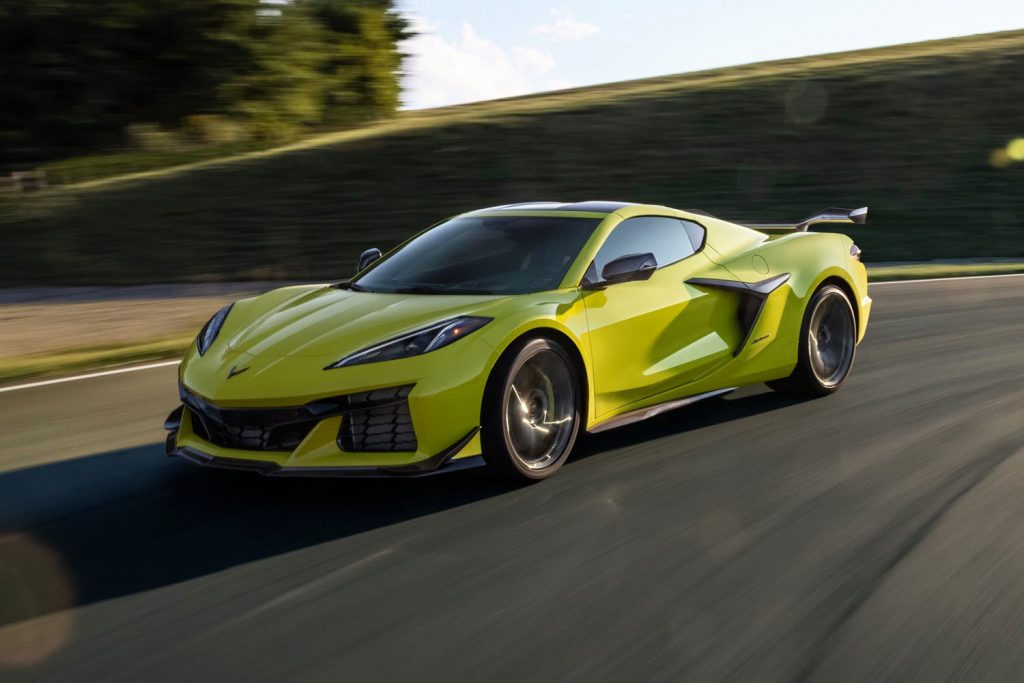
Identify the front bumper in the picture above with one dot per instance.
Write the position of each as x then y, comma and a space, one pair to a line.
313, 422
442, 462
318, 438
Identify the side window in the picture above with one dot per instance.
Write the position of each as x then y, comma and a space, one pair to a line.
697, 234
667, 238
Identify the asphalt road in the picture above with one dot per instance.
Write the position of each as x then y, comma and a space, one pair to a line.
877, 533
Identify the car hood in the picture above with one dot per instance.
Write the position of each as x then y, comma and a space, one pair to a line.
330, 322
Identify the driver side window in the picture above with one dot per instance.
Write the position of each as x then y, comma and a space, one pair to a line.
665, 237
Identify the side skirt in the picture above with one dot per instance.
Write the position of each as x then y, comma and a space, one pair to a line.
650, 411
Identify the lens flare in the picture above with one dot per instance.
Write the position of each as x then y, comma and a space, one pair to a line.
1015, 150
1000, 158
35, 594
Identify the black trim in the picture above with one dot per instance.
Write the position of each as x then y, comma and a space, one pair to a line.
539, 205
435, 462
595, 206
442, 462
829, 215
592, 206
315, 410
754, 295
276, 429
380, 429
173, 421
656, 409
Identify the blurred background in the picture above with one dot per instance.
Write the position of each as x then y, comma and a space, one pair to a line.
288, 118
160, 158
209, 141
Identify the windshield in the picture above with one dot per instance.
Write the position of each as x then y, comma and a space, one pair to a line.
483, 255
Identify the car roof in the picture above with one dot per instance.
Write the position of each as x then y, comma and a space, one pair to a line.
592, 206
589, 206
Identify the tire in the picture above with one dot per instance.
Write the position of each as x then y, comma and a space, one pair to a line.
531, 411
828, 346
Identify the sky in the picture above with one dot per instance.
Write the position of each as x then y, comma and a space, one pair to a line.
470, 51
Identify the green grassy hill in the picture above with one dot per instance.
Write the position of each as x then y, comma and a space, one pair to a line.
913, 131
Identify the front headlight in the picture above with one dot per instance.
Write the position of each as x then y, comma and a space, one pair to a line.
415, 343
211, 329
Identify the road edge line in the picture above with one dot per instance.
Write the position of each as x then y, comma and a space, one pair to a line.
944, 279
91, 375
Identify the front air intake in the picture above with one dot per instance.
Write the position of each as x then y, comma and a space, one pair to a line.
376, 420
383, 428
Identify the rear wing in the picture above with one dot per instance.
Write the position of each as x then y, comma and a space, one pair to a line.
832, 215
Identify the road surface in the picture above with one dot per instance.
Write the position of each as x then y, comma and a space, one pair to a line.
875, 533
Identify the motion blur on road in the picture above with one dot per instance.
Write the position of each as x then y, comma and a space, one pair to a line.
873, 534
161, 159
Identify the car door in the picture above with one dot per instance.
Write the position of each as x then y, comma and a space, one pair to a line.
648, 337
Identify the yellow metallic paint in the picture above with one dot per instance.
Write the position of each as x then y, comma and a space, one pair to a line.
639, 343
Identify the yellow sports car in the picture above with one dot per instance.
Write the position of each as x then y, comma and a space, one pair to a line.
494, 337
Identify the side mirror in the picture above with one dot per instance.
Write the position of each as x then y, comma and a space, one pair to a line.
368, 258
630, 268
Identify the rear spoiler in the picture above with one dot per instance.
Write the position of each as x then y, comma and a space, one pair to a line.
832, 215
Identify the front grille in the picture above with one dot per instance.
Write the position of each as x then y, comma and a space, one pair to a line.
369, 417
382, 428
257, 433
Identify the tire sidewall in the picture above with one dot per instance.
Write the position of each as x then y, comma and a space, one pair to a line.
498, 450
807, 367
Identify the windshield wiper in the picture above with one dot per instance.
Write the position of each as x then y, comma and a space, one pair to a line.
348, 284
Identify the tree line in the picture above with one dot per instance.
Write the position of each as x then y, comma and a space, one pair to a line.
80, 76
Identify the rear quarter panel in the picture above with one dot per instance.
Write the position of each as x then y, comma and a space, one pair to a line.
810, 258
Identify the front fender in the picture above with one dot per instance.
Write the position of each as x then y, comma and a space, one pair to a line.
561, 312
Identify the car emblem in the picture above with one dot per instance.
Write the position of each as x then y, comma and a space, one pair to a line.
235, 371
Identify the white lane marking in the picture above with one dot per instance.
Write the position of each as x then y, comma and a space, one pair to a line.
944, 279
169, 363
103, 373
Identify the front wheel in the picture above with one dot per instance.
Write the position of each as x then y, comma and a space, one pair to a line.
531, 412
828, 344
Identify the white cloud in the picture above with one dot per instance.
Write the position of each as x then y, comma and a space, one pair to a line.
565, 26
419, 24
469, 68
536, 61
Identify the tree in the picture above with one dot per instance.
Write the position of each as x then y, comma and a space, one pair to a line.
358, 72
76, 76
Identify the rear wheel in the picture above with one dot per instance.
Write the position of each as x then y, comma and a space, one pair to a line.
828, 344
531, 412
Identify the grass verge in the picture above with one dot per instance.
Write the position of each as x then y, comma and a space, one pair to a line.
923, 271
47, 365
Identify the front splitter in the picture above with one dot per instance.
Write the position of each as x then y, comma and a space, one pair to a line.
441, 463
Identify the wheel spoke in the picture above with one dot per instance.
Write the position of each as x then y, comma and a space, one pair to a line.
540, 414
831, 339
519, 399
